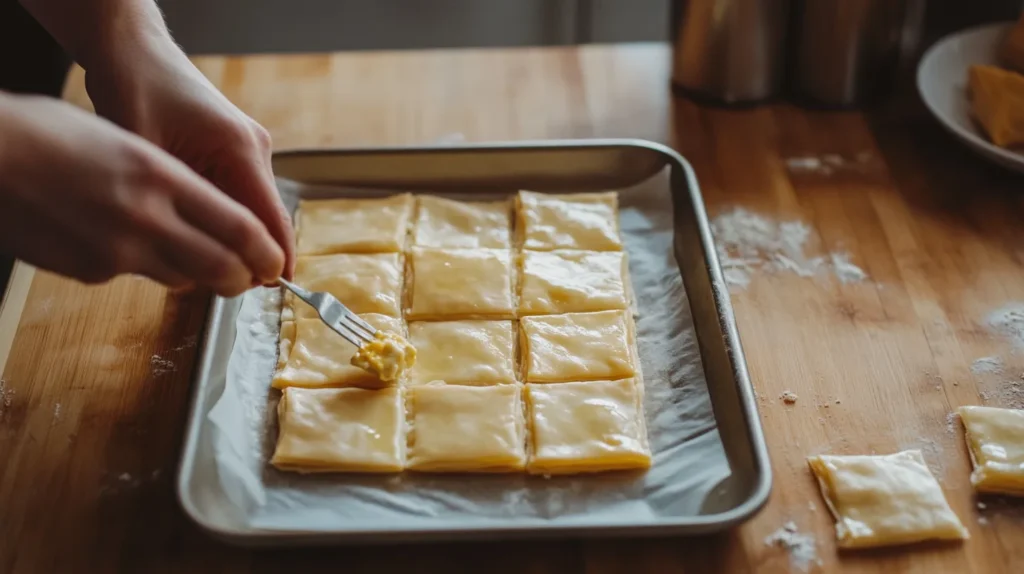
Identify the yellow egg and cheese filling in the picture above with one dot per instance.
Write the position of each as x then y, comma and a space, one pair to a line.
388, 355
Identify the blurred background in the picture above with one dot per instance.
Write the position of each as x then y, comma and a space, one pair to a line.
247, 26
253, 26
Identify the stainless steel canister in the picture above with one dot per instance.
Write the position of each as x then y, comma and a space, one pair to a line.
847, 52
731, 51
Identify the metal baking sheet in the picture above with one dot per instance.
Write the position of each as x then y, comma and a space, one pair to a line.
559, 166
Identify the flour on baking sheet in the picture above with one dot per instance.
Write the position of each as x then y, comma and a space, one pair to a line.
748, 243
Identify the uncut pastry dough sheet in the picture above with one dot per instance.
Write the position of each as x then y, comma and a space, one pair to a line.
689, 459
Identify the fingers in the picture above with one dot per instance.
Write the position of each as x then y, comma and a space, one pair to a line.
224, 220
246, 176
193, 254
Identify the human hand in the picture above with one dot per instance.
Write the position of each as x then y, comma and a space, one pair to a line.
83, 198
156, 92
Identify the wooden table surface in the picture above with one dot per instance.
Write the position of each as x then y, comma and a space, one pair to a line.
97, 382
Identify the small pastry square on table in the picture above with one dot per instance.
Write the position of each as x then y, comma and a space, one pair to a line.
884, 500
995, 440
463, 352
364, 282
444, 223
340, 430
587, 427
460, 284
312, 355
466, 429
586, 221
565, 281
353, 225
578, 347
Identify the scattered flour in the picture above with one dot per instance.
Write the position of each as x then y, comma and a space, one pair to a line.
1010, 394
789, 397
161, 366
952, 421
986, 365
846, 271
801, 547
1008, 321
125, 477
56, 412
6, 396
829, 163
747, 243
982, 506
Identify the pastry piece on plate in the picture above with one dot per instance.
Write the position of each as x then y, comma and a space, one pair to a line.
1011, 52
445, 223
884, 500
586, 427
578, 347
995, 440
365, 283
459, 284
587, 221
353, 225
470, 352
312, 355
340, 430
570, 281
997, 103
457, 428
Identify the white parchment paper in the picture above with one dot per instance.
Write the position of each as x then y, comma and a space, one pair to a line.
689, 459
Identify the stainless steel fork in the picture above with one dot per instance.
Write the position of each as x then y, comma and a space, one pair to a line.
337, 316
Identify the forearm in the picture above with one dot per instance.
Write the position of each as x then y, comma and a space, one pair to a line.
101, 31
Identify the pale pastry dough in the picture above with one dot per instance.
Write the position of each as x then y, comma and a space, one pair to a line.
456, 224
466, 429
885, 500
571, 282
995, 439
578, 347
463, 352
353, 225
588, 221
586, 427
460, 284
365, 283
312, 355
340, 430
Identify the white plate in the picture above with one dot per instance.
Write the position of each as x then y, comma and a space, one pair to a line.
942, 82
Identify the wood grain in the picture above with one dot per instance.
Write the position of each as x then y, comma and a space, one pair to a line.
98, 378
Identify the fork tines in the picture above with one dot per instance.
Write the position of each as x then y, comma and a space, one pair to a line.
358, 326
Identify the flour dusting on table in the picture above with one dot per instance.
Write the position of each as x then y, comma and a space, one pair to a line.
1008, 321
987, 365
802, 548
748, 243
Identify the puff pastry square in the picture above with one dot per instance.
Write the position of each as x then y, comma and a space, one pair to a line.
312, 355
463, 352
340, 430
578, 347
586, 427
353, 225
466, 429
460, 284
365, 283
465, 225
571, 282
885, 500
588, 221
995, 439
